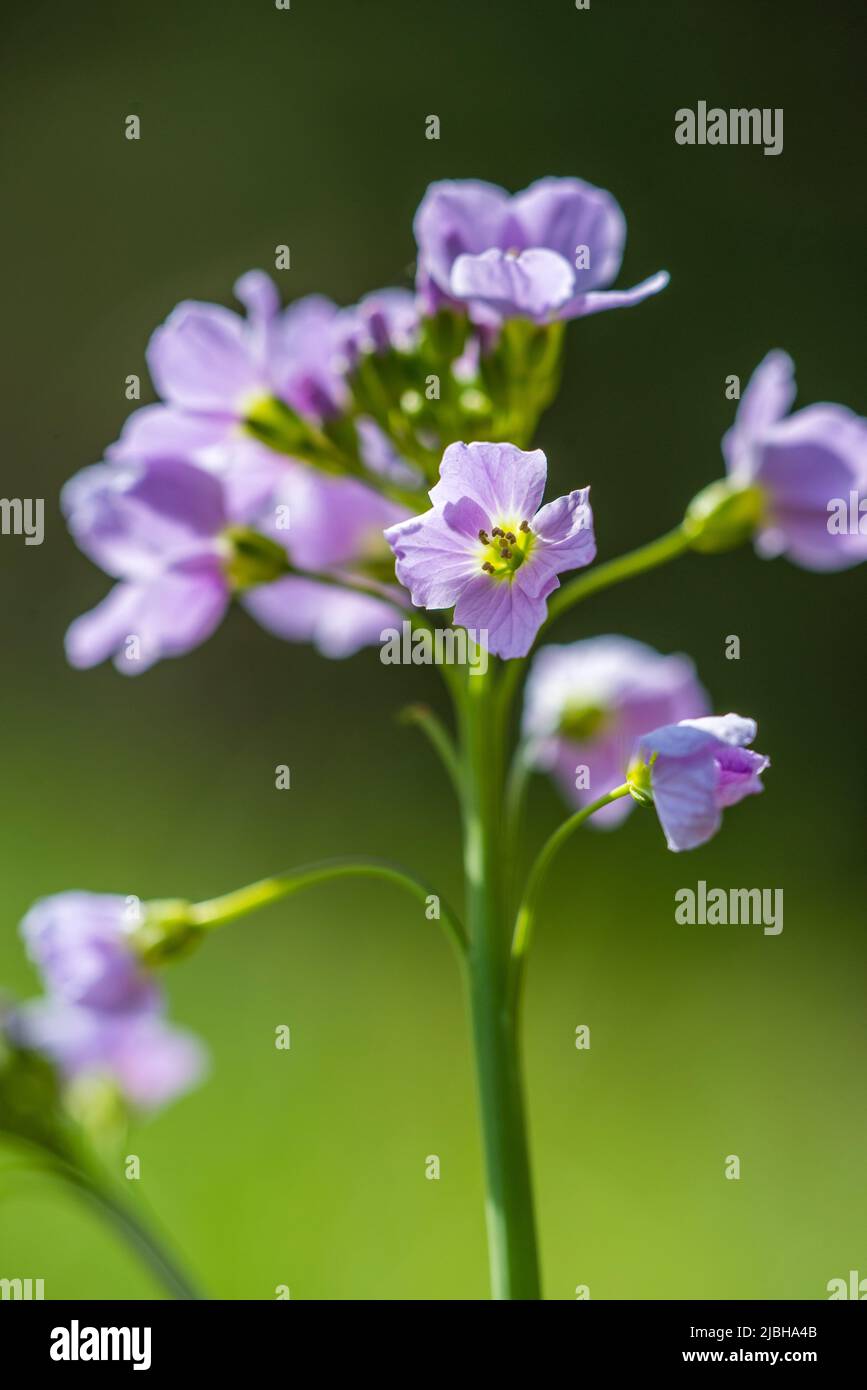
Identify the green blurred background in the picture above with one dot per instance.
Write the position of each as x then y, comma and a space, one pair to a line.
306, 1168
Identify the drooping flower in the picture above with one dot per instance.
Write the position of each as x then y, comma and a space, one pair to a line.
545, 253
164, 532
588, 703
693, 770
808, 471
149, 1061
82, 945
336, 529
486, 549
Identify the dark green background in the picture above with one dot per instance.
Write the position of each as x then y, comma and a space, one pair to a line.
307, 1168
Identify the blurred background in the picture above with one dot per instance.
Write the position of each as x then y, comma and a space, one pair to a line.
306, 1167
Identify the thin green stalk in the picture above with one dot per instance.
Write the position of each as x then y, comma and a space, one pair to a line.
512, 1244
525, 919
435, 731
230, 906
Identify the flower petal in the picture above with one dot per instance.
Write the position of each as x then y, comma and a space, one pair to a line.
505, 481
533, 284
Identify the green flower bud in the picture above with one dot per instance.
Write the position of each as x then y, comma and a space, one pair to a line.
274, 423
166, 932
253, 558
723, 516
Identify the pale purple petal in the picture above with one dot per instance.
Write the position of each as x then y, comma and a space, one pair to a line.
768, 397
564, 541
598, 300
141, 623
80, 944
532, 284
804, 464
148, 1060
132, 521
435, 559
457, 216
337, 622
565, 214
505, 481
203, 360
626, 688
504, 615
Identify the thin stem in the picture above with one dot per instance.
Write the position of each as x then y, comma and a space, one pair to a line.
423, 718
136, 1234
526, 912
119, 1215
230, 906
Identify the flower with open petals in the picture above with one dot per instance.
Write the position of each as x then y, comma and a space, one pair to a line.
808, 471
588, 703
487, 550
165, 532
693, 770
543, 254
157, 531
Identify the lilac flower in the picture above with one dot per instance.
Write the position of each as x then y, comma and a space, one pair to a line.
336, 528
545, 253
486, 549
160, 531
150, 1061
81, 944
588, 703
804, 467
693, 770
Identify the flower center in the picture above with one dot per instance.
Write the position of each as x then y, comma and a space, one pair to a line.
506, 548
579, 722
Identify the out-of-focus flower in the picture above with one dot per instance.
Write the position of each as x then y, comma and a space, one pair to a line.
486, 549
545, 253
82, 946
588, 703
808, 471
336, 529
148, 1060
164, 531
693, 770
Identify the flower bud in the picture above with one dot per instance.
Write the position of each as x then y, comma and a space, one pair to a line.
253, 558
723, 515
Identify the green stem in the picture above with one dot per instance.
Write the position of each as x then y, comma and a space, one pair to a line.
512, 1245
441, 741
525, 919
137, 1235
216, 911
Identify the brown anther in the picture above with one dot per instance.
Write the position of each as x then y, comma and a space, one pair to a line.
511, 537
525, 526
497, 532
488, 566
506, 553
484, 538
